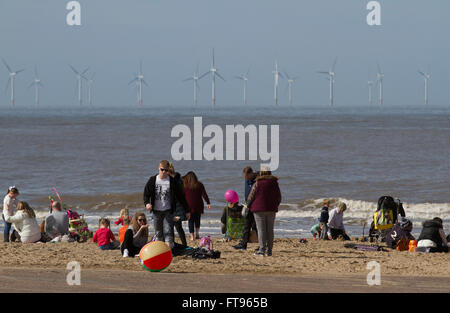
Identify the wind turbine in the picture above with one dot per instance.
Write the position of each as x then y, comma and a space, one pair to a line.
12, 75
90, 81
195, 79
426, 77
370, 85
213, 71
80, 76
139, 79
37, 83
276, 76
290, 82
244, 79
380, 77
331, 75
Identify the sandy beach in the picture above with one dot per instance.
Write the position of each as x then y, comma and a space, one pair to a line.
315, 266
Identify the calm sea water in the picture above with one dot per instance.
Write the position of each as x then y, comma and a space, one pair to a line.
100, 159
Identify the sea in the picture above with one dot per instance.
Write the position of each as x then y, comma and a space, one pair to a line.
99, 160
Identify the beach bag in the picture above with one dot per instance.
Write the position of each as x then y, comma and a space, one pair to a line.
202, 253
384, 216
122, 232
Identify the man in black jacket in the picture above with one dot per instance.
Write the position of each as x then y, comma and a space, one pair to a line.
160, 197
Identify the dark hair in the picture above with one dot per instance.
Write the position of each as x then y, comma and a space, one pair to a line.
439, 220
247, 170
13, 189
190, 180
104, 221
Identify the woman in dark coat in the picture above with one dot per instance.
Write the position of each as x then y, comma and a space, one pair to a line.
263, 201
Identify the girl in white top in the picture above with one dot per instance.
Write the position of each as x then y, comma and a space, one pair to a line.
9, 206
24, 221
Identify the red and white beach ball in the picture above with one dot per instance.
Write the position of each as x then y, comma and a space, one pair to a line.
155, 256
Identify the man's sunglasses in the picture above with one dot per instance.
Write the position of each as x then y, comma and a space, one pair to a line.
163, 169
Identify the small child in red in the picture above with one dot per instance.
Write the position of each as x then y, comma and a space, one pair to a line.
124, 216
104, 237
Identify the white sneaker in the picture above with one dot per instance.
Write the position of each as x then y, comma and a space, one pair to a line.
125, 253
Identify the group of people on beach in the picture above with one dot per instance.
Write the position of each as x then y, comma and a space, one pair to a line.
172, 199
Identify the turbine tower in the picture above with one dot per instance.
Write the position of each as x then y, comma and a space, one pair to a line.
290, 82
426, 77
80, 76
12, 75
213, 71
195, 79
36, 83
244, 79
380, 77
139, 79
331, 75
90, 81
370, 85
276, 76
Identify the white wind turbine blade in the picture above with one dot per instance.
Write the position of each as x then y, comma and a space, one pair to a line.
132, 81
239, 77
73, 69
217, 73
7, 84
188, 79
145, 83
17, 72
84, 72
334, 65
421, 73
204, 74
7, 66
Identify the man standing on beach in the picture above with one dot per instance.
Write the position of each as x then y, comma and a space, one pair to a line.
249, 222
160, 196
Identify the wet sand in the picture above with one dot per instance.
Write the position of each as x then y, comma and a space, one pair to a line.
315, 266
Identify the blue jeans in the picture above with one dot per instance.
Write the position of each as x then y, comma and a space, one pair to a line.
110, 246
163, 224
6, 230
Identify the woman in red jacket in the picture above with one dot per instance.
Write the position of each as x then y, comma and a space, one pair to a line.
195, 194
263, 201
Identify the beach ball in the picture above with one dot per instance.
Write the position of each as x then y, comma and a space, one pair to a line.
155, 256
231, 196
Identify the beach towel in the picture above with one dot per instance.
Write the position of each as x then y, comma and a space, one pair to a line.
364, 247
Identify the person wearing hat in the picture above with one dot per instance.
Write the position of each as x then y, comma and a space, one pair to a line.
336, 223
401, 230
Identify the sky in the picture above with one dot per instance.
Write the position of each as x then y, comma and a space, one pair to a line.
172, 36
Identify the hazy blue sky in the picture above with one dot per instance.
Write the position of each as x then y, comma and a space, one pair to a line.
171, 36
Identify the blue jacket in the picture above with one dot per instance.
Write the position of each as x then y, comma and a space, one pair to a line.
248, 186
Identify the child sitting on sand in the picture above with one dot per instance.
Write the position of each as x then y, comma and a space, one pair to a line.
104, 237
315, 230
124, 218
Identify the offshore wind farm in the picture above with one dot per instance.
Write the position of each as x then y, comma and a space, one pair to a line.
278, 77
